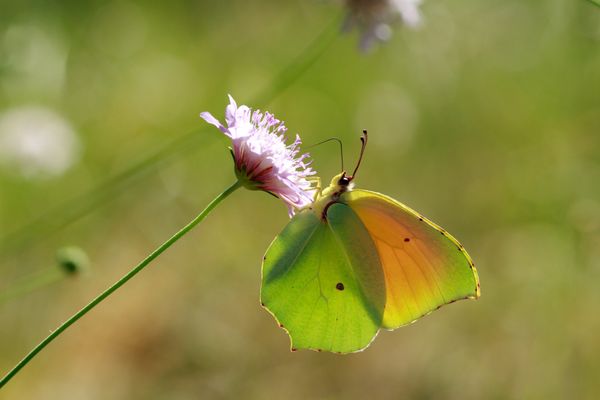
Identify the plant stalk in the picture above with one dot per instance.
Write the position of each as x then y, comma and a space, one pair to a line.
118, 284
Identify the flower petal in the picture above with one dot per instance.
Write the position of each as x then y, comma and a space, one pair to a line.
409, 10
212, 120
231, 112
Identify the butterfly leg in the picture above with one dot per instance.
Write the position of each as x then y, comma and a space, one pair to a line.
317, 183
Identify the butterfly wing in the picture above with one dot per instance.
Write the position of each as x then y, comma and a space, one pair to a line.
424, 266
322, 281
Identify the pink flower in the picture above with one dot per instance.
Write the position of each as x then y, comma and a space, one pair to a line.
373, 18
263, 160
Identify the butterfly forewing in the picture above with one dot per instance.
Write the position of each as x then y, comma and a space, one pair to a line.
423, 265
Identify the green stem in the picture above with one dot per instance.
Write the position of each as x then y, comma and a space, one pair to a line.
300, 64
32, 283
595, 2
118, 284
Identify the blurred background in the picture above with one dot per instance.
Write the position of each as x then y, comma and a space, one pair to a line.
486, 119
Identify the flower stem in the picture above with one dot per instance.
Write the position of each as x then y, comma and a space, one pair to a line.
309, 56
595, 2
118, 284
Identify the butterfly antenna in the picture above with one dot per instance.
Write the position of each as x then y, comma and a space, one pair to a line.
333, 139
363, 139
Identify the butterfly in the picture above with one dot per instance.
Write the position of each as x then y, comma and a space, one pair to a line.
357, 261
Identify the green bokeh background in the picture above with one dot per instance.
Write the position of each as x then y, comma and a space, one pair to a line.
486, 120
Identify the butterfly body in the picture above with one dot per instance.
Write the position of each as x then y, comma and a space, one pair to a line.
356, 261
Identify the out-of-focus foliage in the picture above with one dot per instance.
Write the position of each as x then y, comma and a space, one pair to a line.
486, 120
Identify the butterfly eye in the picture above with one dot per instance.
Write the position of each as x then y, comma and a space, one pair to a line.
344, 181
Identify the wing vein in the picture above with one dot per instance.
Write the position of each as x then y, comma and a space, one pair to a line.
407, 282
301, 250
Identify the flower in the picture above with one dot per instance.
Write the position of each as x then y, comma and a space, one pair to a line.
263, 160
373, 18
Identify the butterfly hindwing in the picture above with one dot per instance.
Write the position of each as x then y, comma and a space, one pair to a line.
323, 282
424, 266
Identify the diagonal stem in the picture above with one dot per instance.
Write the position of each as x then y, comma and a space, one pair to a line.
77, 207
118, 284
34, 282
300, 64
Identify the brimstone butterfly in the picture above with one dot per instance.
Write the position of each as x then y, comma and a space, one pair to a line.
356, 261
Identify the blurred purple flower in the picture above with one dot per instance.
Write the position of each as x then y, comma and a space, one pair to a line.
373, 18
263, 160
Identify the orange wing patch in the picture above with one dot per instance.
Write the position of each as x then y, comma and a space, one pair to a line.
424, 266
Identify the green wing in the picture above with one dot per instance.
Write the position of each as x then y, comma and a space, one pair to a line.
322, 281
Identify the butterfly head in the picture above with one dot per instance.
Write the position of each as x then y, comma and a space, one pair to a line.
340, 184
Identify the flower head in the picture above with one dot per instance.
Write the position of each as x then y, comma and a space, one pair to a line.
263, 160
373, 18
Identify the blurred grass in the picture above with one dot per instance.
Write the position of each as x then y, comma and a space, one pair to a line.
72, 209
486, 120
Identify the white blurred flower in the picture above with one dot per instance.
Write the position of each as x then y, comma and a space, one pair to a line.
374, 17
37, 143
